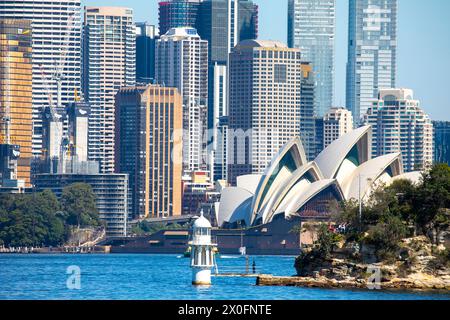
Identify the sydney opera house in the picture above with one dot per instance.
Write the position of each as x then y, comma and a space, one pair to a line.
293, 188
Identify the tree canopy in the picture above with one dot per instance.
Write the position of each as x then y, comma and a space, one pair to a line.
40, 219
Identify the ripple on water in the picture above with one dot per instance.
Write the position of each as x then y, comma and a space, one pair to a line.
161, 277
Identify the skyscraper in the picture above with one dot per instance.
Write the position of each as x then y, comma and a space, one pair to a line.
177, 14
15, 91
400, 125
219, 132
307, 110
182, 62
56, 52
336, 123
109, 63
223, 23
441, 141
264, 107
146, 36
148, 148
311, 28
372, 50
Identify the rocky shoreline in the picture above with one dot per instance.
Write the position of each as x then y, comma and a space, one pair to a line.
417, 270
397, 284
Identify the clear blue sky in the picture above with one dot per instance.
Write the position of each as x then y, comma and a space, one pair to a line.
423, 44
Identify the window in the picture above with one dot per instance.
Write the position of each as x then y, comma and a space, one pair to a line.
280, 74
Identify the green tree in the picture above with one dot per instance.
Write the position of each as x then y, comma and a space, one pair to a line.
78, 203
31, 220
432, 201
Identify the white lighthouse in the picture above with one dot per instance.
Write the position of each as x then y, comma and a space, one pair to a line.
202, 252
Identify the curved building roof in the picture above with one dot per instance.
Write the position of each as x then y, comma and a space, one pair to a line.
249, 182
415, 177
231, 201
313, 190
370, 174
298, 181
261, 44
288, 160
347, 152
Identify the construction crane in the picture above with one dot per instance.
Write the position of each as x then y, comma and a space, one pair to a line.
61, 140
55, 119
58, 74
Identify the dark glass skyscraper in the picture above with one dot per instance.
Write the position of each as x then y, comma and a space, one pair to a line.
441, 141
146, 36
178, 13
223, 23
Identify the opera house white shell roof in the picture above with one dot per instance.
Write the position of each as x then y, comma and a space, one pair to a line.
293, 187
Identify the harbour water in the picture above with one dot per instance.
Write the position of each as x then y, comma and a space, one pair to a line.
158, 277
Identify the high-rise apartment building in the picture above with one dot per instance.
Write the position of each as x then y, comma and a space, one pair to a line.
177, 14
146, 36
336, 123
15, 92
109, 63
372, 50
56, 49
149, 148
264, 107
441, 142
311, 28
182, 62
400, 125
111, 191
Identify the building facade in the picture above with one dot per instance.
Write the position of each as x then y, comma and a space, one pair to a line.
400, 125
182, 62
264, 106
149, 148
336, 123
146, 36
218, 144
441, 142
16, 92
111, 191
223, 23
307, 110
311, 28
56, 46
318, 122
109, 63
177, 14
372, 52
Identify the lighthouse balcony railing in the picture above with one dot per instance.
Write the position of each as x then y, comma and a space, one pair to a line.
210, 240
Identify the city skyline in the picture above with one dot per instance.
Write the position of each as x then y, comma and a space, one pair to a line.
411, 13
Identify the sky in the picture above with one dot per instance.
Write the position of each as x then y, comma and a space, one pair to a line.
423, 44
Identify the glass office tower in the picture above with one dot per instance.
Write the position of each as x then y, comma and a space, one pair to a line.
311, 28
15, 91
372, 50
56, 46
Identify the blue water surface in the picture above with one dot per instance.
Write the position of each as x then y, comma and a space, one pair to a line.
159, 277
